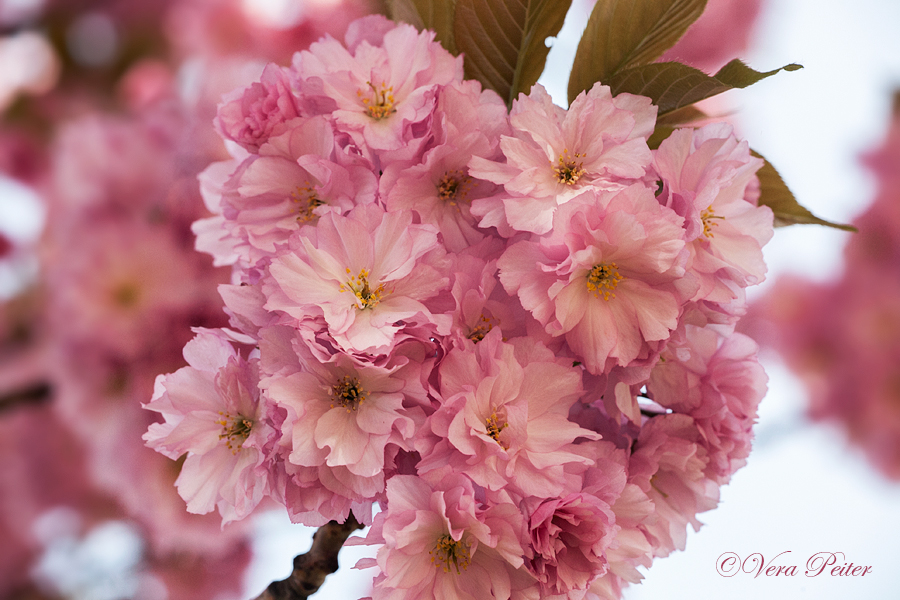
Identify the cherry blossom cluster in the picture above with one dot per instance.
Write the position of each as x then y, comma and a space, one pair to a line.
842, 336
105, 298
513, 331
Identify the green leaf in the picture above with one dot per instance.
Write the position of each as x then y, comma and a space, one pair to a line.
503, 41
775, 194
682, 117
436, 15
673, 86
622, 34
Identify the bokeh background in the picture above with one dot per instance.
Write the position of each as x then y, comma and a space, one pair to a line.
804, 490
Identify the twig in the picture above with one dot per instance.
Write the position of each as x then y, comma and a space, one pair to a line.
310, 569
36, 393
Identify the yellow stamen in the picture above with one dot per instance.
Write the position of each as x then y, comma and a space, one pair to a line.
359, 284
450, 553
307, 199
707, 217
603, 279
569, 169
380, 103
348, 393
235, 430
127, 294
494, 427
452, 186
479, 331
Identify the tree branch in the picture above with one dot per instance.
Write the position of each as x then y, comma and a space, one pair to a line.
36, 393
310, 569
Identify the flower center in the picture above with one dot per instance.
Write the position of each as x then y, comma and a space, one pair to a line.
494, 427
603, 279
307, 199
449, 552
380, 103
569, 169
126, 295
452, 186
366, 297
707, 217
348, 393
479, 331
235, 429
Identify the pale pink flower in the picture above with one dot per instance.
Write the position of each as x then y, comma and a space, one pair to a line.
608, 278
213, 413
250, 116
122, 286
554, 154
668, 465
438, 542
719, 382
340, 415
503, 418
381, 87
297, 176
705, 175
481, 303
367, 274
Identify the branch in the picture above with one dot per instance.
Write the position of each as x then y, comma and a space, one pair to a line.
310, 569
36, 393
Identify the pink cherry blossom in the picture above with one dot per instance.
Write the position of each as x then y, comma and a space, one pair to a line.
437, 542
297, 176
503, 418
212, 412
608, 277
554, 154
250, 116
705, 175
668, 465
366, 274
379, 88
718, 382
340, 415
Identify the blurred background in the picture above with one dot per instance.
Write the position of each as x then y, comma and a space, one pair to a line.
105, 112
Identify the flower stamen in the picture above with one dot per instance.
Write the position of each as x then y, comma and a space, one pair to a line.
348, 393
569, 169
479, 331
380, 104
235, 430
359, 284
449, 552
494, 427
603, 279
707, 217
452, 186
307, 199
